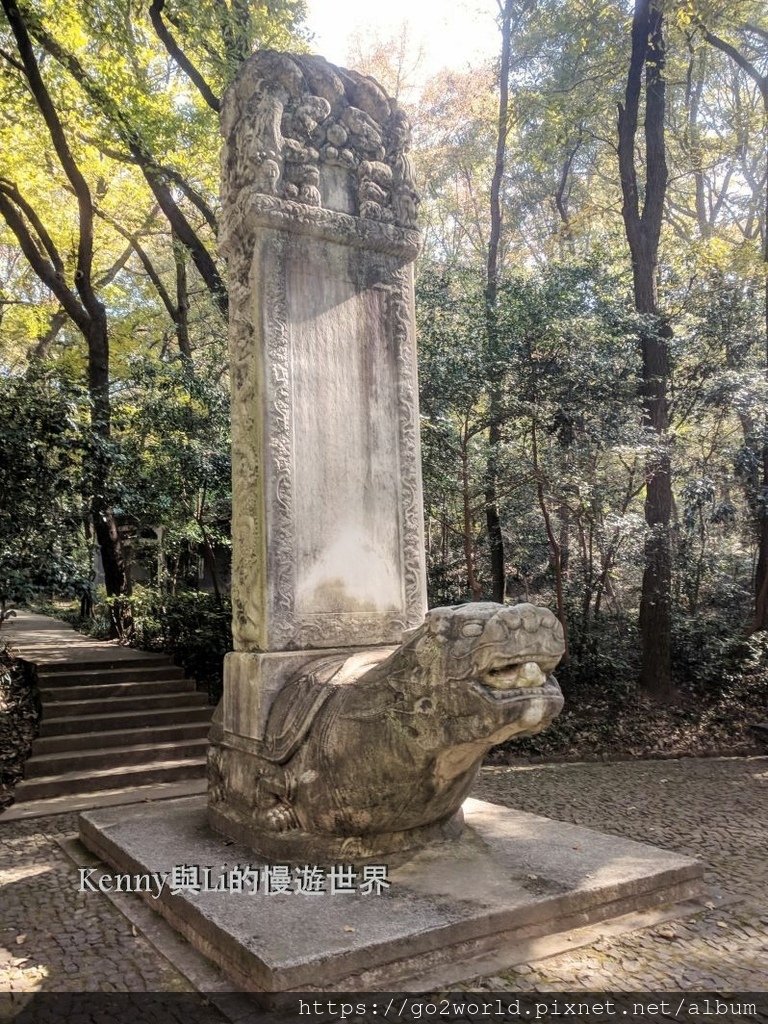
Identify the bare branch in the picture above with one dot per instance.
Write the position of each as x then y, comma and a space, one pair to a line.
755, 30
168, 172
42, 266
175, 51
58, 138
12, 191
560, 201
739, 58
136, 246
10, 59
45, 341
154, 175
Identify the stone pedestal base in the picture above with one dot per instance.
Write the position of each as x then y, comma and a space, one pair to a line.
511, 877
251, 683
232, 817
236, 762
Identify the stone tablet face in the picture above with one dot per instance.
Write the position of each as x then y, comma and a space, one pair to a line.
345, 443
318, 227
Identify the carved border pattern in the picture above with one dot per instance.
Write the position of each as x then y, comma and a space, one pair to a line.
410, 450
284, 628
280, 465
246, 454
254, 209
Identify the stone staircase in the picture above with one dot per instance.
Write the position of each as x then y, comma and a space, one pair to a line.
115, 722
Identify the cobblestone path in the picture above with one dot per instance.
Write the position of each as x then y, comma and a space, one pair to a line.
54, 938
713, 809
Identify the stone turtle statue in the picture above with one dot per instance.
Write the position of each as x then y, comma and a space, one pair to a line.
380, 748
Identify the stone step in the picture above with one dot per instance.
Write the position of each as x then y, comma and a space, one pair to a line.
184, 715
53, 694
43, 766
95, 676
118, 796
114, 719
120, 737
102, 662
117, 705
125, 776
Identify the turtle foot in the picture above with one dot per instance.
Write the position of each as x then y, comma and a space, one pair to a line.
281, 819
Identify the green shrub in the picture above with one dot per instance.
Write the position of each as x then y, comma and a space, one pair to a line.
98, 625
193, 627
604, 654
19, 717
710, 652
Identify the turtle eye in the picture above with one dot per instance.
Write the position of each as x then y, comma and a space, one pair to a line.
472, 629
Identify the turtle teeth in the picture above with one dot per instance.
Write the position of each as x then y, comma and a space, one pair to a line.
510, 677
531, 675
500, 696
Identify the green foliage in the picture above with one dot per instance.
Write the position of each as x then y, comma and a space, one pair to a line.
711, 652
193, 628
563, 370
565, 365
43, 510
174, 459
19, 717
574, 445
604, 654
218, 35
144, 134
722, 690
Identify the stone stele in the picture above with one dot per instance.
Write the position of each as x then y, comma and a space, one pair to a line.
331, 741
352, 724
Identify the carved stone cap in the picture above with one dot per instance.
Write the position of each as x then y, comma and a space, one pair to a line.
314, 137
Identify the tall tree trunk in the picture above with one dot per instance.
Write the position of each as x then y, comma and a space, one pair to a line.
760, 619
469, 560
182, 300
554, 547
643, 232
492, 517
113, 562
79, 302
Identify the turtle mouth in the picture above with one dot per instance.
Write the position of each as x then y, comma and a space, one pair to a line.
516, 675
518, 681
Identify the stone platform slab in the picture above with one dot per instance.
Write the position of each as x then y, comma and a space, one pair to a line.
512, 876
